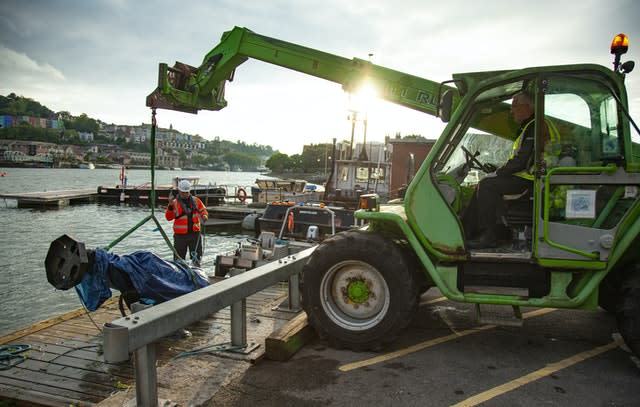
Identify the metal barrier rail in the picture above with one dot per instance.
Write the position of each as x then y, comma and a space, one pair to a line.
138, 332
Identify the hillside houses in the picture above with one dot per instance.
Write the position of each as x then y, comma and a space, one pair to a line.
7, 121
171, 145
59, 155
165, 138
26, 153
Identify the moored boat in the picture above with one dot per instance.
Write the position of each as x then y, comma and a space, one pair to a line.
269, 189
305, 221
87, 166
211, 195
354, 175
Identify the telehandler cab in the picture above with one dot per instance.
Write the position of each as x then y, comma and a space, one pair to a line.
571, 241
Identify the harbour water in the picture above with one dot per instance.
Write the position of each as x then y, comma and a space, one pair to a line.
25, 238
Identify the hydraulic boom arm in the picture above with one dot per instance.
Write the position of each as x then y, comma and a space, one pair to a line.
189, 89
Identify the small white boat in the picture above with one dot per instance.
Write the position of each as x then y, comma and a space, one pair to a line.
87, 166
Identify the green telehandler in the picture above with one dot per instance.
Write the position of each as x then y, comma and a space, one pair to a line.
570, 241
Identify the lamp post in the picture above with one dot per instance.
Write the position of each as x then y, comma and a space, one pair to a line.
363, 153
326, 156
354, 118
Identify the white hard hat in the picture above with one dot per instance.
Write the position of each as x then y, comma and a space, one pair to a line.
184, 186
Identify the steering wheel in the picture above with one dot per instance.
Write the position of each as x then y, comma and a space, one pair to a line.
473, 162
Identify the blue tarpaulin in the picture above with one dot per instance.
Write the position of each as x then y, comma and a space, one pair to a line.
150, 276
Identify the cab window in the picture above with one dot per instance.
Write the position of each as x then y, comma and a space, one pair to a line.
585, 114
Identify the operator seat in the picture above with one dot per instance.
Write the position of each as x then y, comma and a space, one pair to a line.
518, 208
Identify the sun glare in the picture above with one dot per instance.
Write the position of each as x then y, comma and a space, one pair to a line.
384, 118
363, 99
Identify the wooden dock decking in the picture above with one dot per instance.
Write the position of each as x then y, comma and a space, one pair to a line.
52, 198
65, 365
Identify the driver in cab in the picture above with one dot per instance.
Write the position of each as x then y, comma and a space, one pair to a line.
513, 177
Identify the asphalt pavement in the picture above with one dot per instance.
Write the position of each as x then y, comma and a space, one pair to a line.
557, 358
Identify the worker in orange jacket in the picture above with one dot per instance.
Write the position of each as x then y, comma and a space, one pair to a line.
188, 213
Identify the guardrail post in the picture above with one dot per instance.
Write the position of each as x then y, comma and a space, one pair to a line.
238, 317
140, 331
146, 376
294, 292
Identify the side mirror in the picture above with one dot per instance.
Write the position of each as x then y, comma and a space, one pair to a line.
445, 106
627, 67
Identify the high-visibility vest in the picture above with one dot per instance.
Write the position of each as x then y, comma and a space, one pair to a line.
551, 151
182, 216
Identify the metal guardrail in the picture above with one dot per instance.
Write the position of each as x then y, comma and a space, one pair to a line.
137, 333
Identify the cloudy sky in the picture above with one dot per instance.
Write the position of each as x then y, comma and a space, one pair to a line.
100, 57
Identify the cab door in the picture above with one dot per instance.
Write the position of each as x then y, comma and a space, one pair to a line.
583, 192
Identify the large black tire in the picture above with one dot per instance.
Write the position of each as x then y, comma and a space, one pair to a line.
609, 294
359, 291
629, 312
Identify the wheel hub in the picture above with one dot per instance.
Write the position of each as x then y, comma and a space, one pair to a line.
357, 291
355, 295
